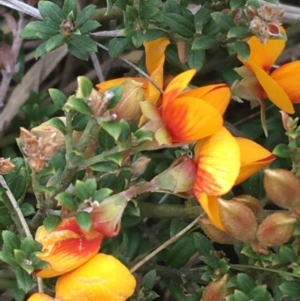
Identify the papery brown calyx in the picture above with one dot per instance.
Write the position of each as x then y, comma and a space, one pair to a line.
107, 215
6, 166
283, 188
178, 178
276, 229
216, 290
128, 108
216, 234
251, 202
238, 220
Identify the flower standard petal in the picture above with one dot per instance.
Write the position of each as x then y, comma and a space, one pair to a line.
287, 76
254, 157
264, 55
188, 119
66, 247
155, 59
40, 297
211, 206
176, 86
218, 160
216, 95
273, 90
103, 278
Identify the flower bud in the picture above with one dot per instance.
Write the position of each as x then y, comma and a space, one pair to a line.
251, 202
216, 290
29, 142
128, 107
140, 166
6, 166
214, 233
107, 215
179, 177
282, 187
276, 229
238, 220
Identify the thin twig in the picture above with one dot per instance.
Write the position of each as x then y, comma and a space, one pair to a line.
110, 33
22, 7
164, 245
15, 206
97, 66
135, 67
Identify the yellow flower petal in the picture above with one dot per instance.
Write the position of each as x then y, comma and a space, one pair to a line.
102, 87
40, 297
188, 119
211, 206
273, 90
218, 159
254, 157
66, 247
216, 95
287, 76
103, 278
177, 85
264, 55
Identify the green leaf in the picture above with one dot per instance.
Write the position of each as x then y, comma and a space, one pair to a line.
84, 220
20, 256
80, 121
202, 243
58, 124
58, 97
85, 86
181, 252
84, 15
245, 282
85, 190
260, 293
138, 39
8, 257
238, 32
50, 10
286, 254
234, 4
180, 25
102, 194
24, 280
154, 34
28, 34
204, 42
282, 151
224, 21
116, 158
109, 4
143, 136
202, 17
66, 200
27, 209
176, 291
10, 240
290, 288
55, 42
68, 7
148, 280
51, 222
117, 45
80, 53
41, 50
125, 131
27, 246
81, 41
89, 26
77, 104
113, 128
242, 49
196, 59
18, 294
104, 166
239, 296
106, 141
118, 92
47, 27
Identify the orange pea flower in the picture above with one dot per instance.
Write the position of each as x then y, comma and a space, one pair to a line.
222, 162
102, 278
40, 297
66, 247
282, 85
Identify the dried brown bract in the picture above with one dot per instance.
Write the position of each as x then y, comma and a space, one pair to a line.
6, 166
